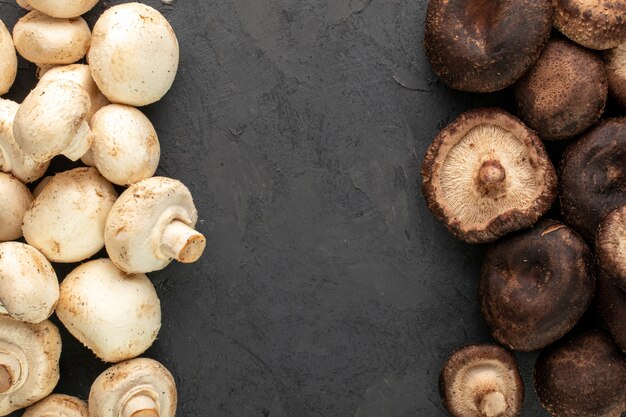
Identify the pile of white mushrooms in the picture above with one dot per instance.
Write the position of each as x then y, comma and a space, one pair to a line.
86, 111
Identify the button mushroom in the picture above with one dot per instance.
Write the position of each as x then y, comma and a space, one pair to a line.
29, 362
611, 304
486, 174
593, 180
125, 146
615, 62
14, 201
535, 286
8, 60
481, 381
29, 289
66, 220
134, 54
611, 245
63, 8
137, 388
117, 316
58, 405
152, 223
584, 375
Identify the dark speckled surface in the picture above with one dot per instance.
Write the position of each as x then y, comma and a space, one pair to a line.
327, 288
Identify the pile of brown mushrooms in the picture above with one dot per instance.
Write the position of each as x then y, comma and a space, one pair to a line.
489, 178
111, 200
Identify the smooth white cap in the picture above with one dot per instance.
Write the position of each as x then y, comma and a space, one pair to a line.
15, 199
8, 60
63, 8
58, 405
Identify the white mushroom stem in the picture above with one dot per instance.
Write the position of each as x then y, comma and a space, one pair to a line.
492, 404
140, 406
10, 372
181, 242
80, 144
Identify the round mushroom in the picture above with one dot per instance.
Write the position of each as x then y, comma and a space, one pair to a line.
117, 316
29, 362
58, 405
14, 201
134, 54
484, 46
8, 60
535, 286
611, 245
52, 121
46, 40
564, 93
593, 24
151, 224
615, 64
611, 304
486, 174
125, 147
584, 375
481, 381
63, 8
66, 220
29, 289
593, 180
139, 387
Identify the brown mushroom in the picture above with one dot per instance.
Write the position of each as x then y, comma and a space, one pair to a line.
535, 286
584, 375
486, 174
611, 245
564, 93
482, 45
611, 304
593, 180
481, 381
615, 63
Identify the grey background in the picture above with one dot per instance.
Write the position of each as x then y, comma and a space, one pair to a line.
327, 288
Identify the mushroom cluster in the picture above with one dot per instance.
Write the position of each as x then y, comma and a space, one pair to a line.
490, 179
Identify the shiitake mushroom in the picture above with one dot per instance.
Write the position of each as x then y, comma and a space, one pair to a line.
611, 245
611, 305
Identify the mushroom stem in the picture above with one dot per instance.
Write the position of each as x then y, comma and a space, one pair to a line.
181, 242
10, 372
492, 404
491, 176
140, 406
80, 144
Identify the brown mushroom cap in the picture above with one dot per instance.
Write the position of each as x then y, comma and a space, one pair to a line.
482, 45
564, 93
584, 375
593, 24
611, 245
593, 176
615, 63
611, 304
481, 381
486, 174
535, 286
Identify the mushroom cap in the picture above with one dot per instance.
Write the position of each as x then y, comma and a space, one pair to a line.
138, 219
14, 201
593, 24
52, 120
584, 375
615, 64
117, 316
58, 405
564, 93
611, 304
611, 245
8, 60
47, 40
125, 146
486, 174
481, 377
63, 8
134, 54
115, 386
37, 349
66, 220
484, 46
29, 288
535, 286
593, 176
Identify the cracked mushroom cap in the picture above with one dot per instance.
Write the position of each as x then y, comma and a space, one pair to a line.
29, 362
593, 176
139, 387
8, 60
151, 224
481, 381
535, 286
486, 174
29, 288
615, 63
134, 54
611, 245
584, 375
611, 304
66, 220
58, 405
63, 8
15, 199
484, 46
593, 24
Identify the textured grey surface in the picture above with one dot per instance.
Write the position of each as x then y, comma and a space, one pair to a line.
327, 288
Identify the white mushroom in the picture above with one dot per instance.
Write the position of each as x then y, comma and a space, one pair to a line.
52, 120
29, 289
58, 405
134, 54
15, 199
63, 8
8, 60
66, 220
152, 223
137, 388
125, 146
29, 362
